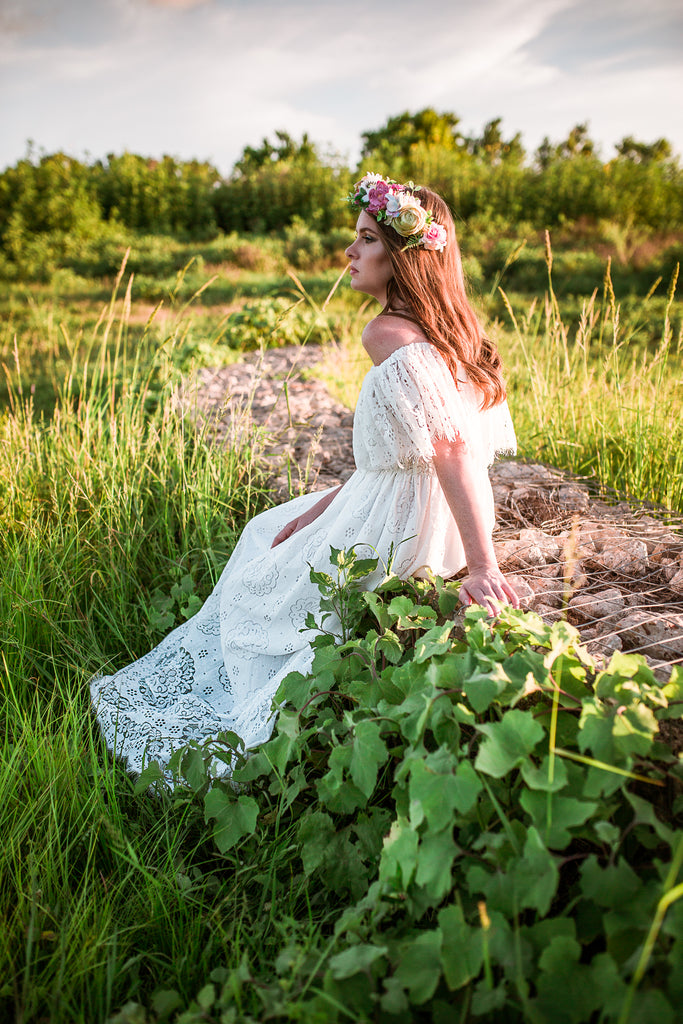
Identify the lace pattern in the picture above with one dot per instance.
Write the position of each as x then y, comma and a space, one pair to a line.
219, 670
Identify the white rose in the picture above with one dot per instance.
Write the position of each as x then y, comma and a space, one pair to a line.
393, 204
411, 218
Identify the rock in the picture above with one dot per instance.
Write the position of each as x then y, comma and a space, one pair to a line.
551, 571
600, 605
668, 546
605, 645
547, 613
572, 497
597, 535
625, 556
518, 554
500, 493
547, 591
511, 472
549, 546
521, 587
657, 634
676, 582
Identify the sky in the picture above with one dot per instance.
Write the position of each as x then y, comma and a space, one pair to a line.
204, 78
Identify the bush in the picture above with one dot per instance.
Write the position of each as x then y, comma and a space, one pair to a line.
488, 819
303, 245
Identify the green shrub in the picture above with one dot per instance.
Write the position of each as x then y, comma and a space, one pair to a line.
490, 819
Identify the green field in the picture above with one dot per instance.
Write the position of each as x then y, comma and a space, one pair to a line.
319, 891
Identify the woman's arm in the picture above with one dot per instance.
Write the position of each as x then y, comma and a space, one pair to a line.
306, 519
463, 490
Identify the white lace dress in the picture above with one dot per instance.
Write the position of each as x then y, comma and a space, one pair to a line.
220, 669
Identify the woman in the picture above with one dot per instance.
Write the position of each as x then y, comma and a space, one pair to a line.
431, 417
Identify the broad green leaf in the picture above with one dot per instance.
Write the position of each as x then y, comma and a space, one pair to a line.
541, 934
194, 768
343, 869
234, 818
316, 833
165, 1001
432, 796
402, 606
435, 857
279, 750
468, 787
565, 992
390, 646
294, 689
206, 996
368, 753
645, 814
419, 969
595, 733
462, 950
507, 742
534, 875
371, 829
525, 669
565, 813
149, 775
485, 684
486, 1001
399, 855
434, 641
393, 999
449, 600
634, 729
355, 959
539, 777
611, 886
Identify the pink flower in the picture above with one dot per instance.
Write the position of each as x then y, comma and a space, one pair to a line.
377, 197
434, 237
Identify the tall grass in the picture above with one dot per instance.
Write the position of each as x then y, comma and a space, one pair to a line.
590, 398
595, 401
103, 509
115, 509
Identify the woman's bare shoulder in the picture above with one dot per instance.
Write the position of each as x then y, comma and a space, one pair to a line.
385, 334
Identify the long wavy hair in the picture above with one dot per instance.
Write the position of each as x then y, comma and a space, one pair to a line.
428, 287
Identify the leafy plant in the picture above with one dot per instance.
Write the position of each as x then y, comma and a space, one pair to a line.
491, 821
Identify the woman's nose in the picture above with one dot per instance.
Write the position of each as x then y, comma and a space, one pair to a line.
349, 251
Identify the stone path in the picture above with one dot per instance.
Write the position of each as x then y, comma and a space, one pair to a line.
615, 571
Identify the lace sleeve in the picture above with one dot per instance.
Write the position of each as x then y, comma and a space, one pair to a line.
417, 401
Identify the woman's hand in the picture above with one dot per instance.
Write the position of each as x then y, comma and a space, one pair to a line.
305, 519
489, 588
468, 493
291, 528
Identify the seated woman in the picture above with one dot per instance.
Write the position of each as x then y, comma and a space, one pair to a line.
430, 419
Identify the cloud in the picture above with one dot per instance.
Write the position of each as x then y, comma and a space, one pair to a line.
206, 77
176, 4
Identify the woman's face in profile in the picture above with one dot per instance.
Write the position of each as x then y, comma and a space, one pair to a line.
370, 267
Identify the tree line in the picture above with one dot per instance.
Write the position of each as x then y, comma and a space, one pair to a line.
272, 186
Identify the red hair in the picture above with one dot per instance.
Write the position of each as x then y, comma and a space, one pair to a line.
428, 287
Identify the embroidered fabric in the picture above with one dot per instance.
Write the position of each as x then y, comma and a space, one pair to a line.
220, 669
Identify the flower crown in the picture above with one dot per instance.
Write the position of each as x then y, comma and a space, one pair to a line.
398, 205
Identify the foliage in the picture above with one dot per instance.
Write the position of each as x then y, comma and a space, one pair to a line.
402, 132
51, 204
491, 819
115, 520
